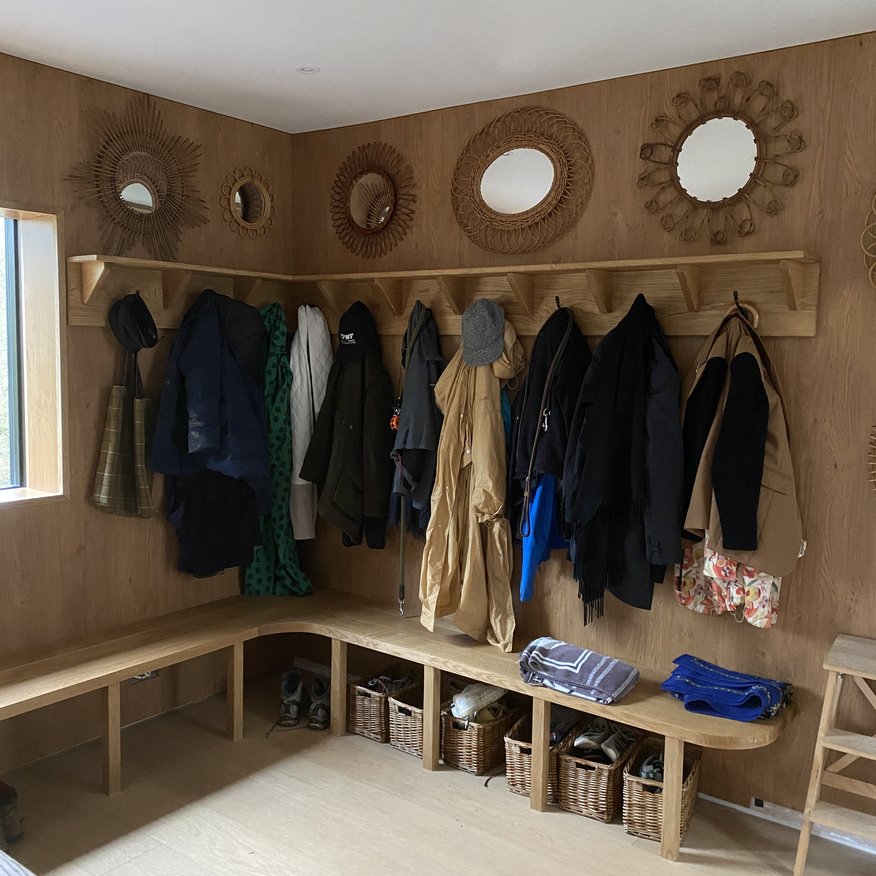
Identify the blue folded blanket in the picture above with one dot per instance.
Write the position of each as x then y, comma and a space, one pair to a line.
557, 665
712, 690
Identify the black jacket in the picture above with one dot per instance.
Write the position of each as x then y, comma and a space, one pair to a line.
541, 415
622, 478
415, 451
348, 457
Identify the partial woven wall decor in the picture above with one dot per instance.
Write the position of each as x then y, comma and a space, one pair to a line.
394, 205
868, 243
134, 149
546, 131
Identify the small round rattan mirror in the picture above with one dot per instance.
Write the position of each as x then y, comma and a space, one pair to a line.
373, 198
247, 203
522, 181
721, 157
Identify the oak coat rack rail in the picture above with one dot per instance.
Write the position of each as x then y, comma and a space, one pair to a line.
689, 294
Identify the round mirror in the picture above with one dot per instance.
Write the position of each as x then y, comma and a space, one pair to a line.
249, 202
138, 197
372, 200
517, 180
717, 159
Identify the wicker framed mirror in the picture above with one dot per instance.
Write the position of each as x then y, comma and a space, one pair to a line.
247, 203
721, 158
143, 180
522, 181
373, 199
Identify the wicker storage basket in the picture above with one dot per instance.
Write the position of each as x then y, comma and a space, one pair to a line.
643, 798
518, 760
590, 788
475, 748
368, 710
406, 721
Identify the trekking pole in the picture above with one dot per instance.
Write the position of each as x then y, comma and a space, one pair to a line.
402, 532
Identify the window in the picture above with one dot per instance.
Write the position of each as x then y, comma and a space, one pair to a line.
10, 389
31, 344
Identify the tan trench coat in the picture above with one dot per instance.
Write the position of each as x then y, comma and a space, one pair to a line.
467, 560
779, 539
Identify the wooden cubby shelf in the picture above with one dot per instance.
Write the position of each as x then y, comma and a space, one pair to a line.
688, 294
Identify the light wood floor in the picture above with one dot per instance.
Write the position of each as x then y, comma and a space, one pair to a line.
303, 802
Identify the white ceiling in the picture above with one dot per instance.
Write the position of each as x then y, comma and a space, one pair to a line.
384, 58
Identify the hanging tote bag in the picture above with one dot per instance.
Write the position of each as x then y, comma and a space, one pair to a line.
123, 482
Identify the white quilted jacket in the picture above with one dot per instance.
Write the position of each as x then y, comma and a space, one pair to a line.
310, 361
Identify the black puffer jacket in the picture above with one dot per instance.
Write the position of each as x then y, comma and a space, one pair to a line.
348, 457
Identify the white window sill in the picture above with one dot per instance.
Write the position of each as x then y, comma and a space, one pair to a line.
19, 497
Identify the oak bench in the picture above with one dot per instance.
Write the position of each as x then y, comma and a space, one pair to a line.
226, 625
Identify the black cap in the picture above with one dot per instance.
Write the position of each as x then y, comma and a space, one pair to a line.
132, 323
357, 334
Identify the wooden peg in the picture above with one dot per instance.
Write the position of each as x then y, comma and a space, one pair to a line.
393, 292
523, 287
690, 282
453, 290
246, 287
173, 285
792, 282
95, 276
600, 286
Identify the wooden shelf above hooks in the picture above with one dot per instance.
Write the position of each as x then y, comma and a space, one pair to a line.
689, 294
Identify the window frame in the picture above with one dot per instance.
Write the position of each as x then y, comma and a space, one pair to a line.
13, 353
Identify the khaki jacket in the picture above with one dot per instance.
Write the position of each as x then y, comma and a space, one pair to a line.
467, 559
779, 528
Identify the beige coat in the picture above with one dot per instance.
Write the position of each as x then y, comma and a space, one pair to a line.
779, 527
467, 560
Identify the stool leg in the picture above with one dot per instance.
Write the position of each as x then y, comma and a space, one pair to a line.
673, 777
431, 717
234, 693
541, 729
339, 688
112, 739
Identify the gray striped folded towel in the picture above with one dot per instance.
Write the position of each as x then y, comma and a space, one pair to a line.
557, 665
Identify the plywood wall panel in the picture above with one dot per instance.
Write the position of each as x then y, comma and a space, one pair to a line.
828, 380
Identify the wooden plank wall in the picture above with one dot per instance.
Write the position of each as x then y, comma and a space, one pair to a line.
828, 379
66, 569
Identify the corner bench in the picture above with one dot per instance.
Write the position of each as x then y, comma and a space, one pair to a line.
348, 620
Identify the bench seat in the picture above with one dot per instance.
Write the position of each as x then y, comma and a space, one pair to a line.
225, 625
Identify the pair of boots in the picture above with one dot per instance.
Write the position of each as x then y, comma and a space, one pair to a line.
10, 822
295, 697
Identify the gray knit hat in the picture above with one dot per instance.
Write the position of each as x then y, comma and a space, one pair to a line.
483, 332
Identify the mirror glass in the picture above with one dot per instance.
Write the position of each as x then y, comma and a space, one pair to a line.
248, 201
372, 200
717, 159
138, 197
517, 180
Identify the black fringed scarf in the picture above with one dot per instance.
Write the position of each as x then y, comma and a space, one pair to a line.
604, 478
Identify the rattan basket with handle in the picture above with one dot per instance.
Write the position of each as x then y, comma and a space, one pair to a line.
588, 787
518, 760
368, 710
406, 721
643, 798
475, 748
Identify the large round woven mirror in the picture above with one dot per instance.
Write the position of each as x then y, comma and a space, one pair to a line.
372, 200
517, 180
717, 159
721, 156
522, 180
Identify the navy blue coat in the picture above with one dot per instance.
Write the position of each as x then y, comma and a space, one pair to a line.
212, 410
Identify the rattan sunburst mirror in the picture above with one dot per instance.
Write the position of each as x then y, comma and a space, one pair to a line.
721, 157
247, 203
143, 180
522, 181
373, 200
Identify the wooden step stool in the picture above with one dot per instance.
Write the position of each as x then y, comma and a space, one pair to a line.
856, 658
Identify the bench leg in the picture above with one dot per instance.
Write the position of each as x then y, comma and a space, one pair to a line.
234, 693
541, 728
673, 775
339, 688
431, 717
112, 739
